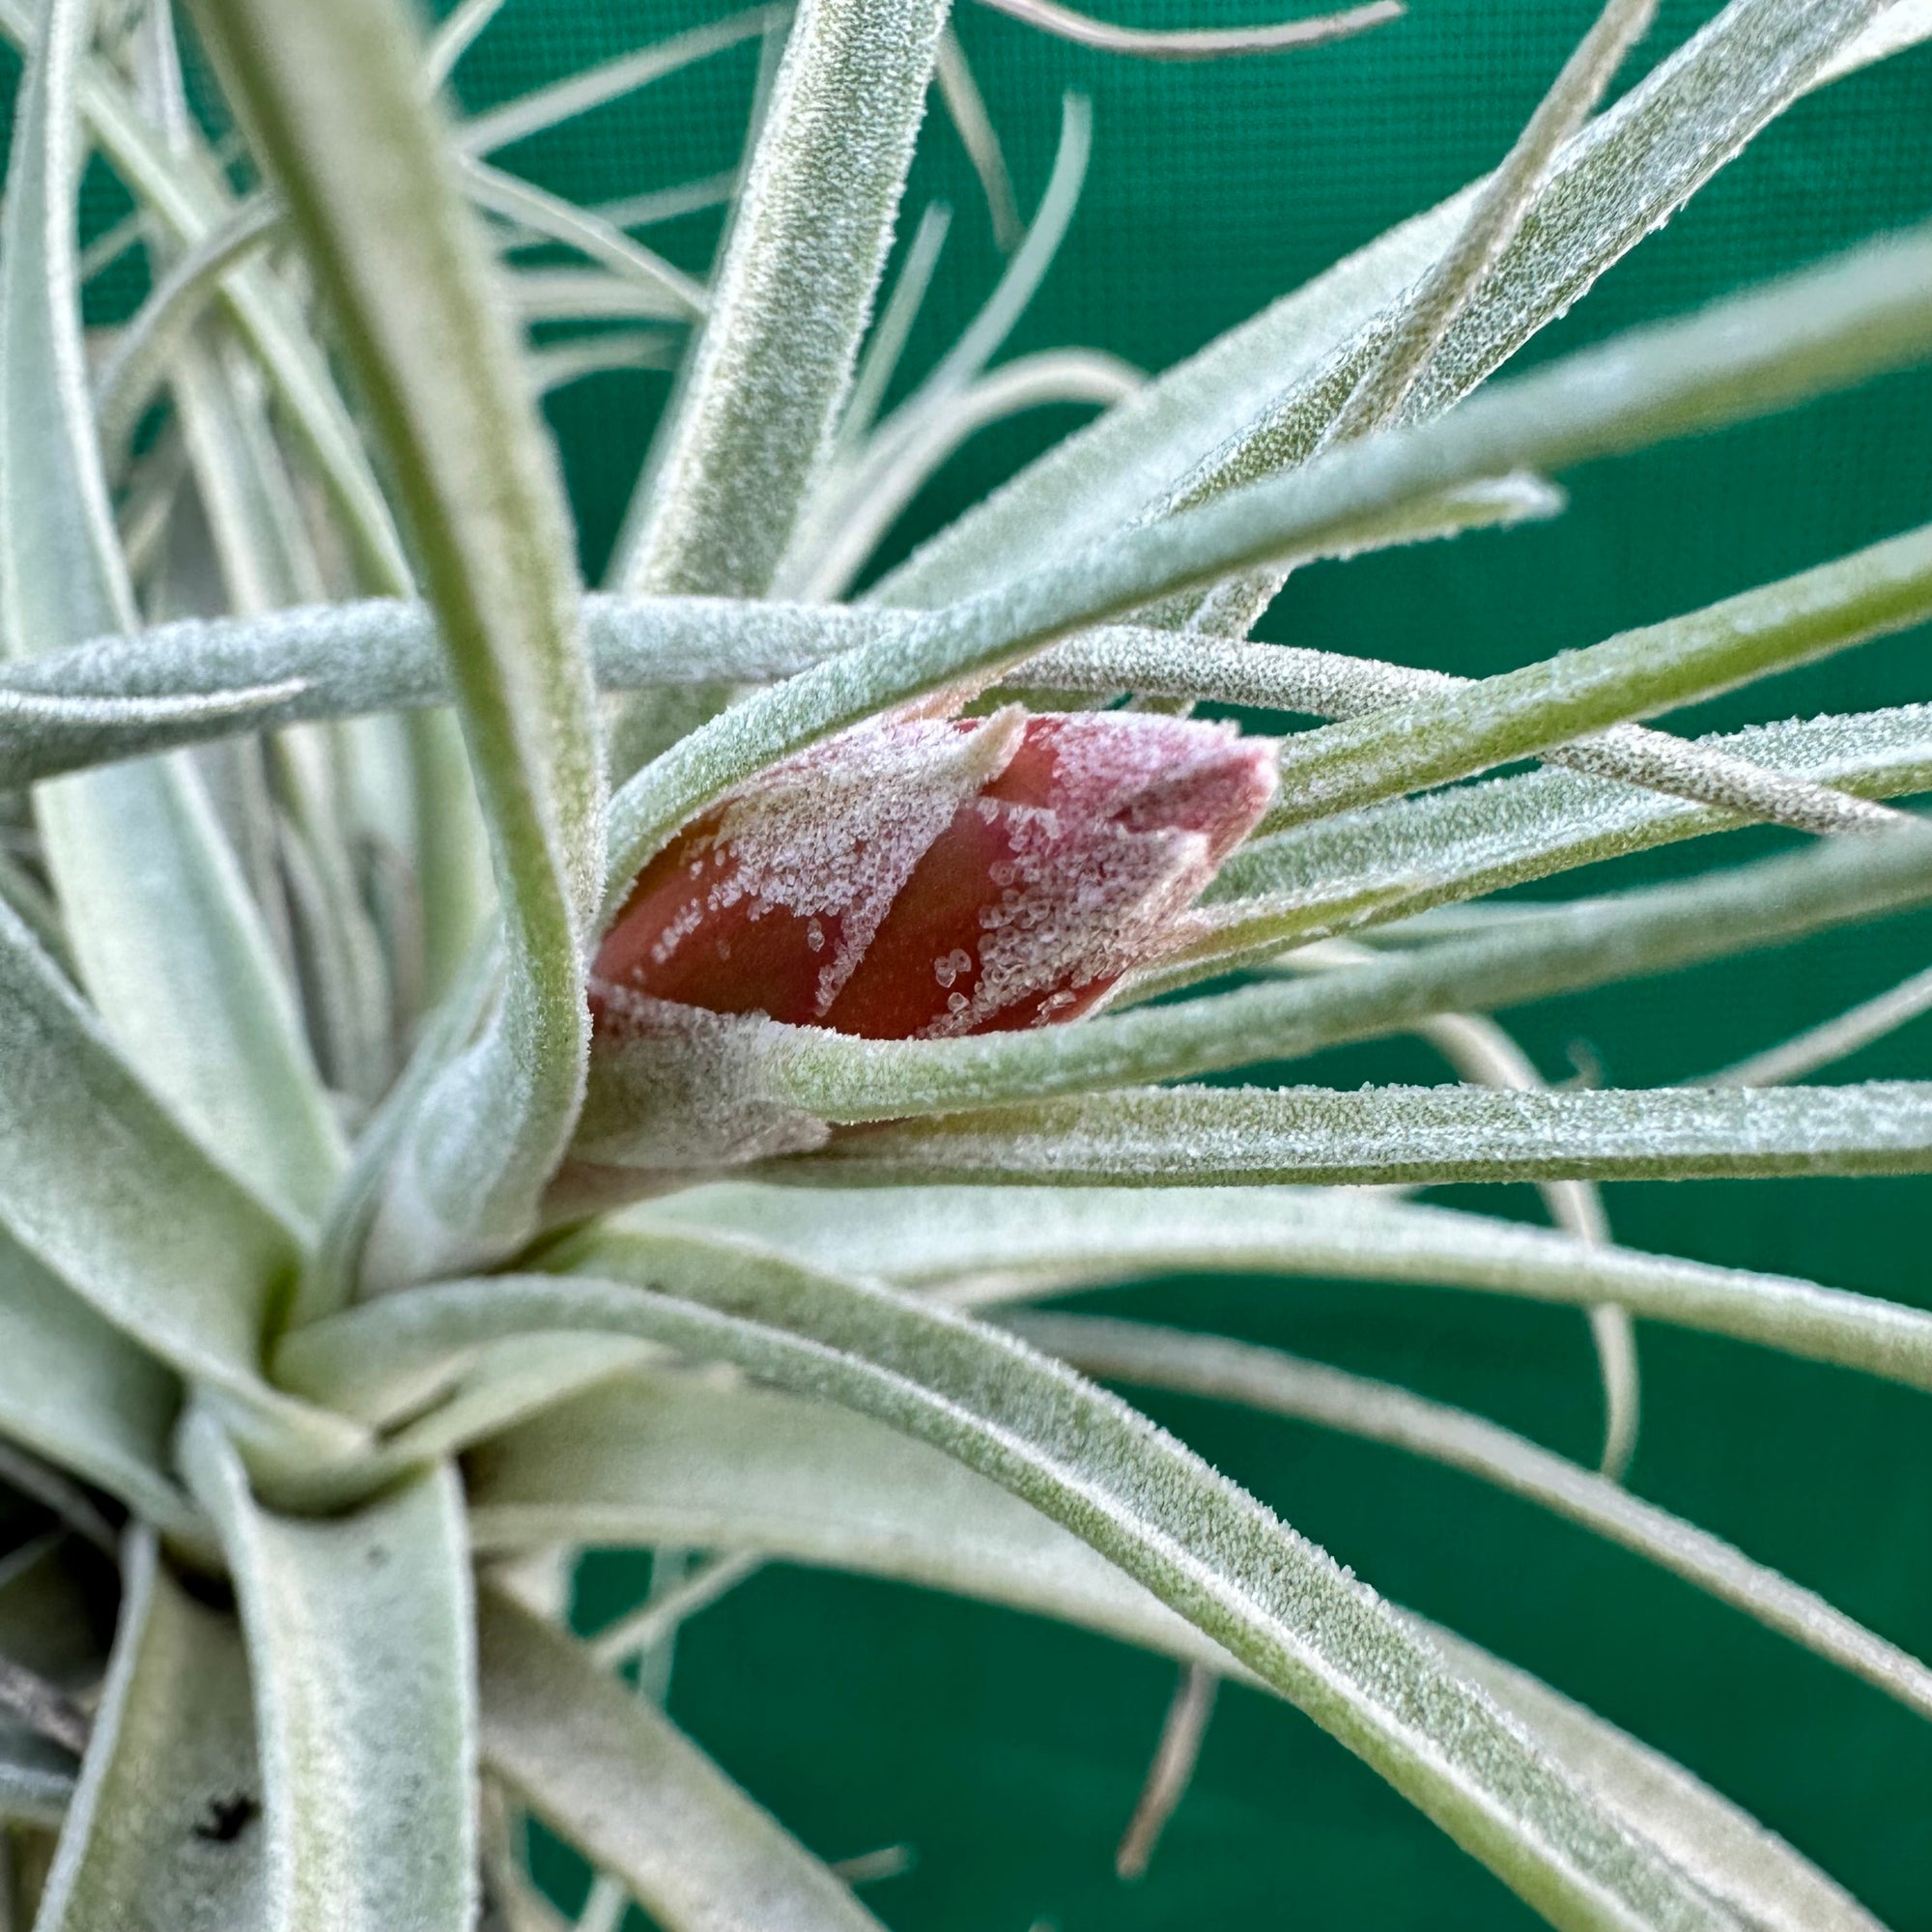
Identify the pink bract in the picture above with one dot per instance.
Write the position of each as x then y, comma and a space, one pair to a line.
929, 877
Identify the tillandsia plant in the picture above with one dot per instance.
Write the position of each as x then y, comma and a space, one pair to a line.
488, 1071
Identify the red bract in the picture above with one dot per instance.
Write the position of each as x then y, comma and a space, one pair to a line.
926, 877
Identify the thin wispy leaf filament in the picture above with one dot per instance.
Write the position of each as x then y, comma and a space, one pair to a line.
1494, 222
1202, 43
1265, 1379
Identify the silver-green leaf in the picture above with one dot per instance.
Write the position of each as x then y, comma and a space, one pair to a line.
168, 940
1283, 1608
165, 1831
359, 1632
332, 93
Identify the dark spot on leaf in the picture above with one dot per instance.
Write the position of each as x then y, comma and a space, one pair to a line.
227, 1818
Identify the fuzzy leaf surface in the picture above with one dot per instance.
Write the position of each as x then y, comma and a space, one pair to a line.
1431, 740
102, 1186
990, 1244
1296, 361
1282, 1607
202, 677
1740, 1864
359, 1632
334, 99
1867, 312
1281, 1384
168, 940
1587, 943
1418, 1136
164, 1833
664, 1459
753, 421
1470, 839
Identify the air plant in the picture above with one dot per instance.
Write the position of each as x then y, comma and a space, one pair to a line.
487, 1069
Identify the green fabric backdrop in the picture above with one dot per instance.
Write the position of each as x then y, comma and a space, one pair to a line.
1008, 1753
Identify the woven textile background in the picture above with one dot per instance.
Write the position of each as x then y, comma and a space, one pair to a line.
1006, 1754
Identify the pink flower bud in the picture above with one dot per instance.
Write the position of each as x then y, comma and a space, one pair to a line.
920, 877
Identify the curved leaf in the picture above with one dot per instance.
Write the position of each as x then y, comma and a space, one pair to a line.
1836, 1038
1019, 281
164, 1827
1746, 357
333, 92
663, 1457
1587, 943
1896, 27
1202, 43
186, 680
454, 36
1430, 740
203, 677
191, 200
1735, 1859
360, 1635
58, 734
166, 939
753, 424
1610, 185
164, 320
551, 218
859, 515
81, 1393
1283, 1608
547, 108
1267, 1379
984, 1245
1495, 220
101, 1185
1470, 839
1413, 729
188, 200
889, 333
